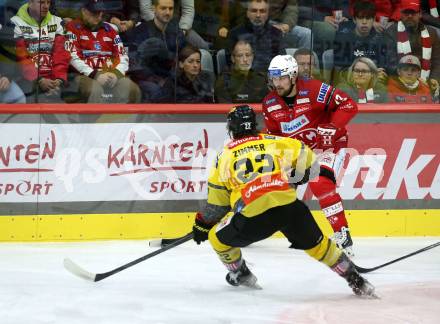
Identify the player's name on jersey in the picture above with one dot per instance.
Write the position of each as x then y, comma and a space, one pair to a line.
249, 148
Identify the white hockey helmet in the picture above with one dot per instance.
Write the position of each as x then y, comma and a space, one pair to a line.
283, 65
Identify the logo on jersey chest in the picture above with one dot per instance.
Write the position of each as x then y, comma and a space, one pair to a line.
302, 101
308, 136
303, 108
294, 125
274, 107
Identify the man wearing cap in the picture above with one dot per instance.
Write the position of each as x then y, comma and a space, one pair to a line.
412, 37
408, 86
99, 58
124, 14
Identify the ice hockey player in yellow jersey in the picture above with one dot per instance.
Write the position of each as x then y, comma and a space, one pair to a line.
255, 177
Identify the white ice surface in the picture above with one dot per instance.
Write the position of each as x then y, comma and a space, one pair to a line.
186, 285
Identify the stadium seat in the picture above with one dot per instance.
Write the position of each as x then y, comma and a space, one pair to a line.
327, 64
221, 61
207, 63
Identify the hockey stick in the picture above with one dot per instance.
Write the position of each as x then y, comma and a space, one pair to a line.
366, 270
82, 273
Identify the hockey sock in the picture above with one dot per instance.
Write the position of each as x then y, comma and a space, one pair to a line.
331, 203
343, 266
326, 252
229, 256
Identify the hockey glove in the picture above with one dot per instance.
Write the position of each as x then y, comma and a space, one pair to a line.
200, 229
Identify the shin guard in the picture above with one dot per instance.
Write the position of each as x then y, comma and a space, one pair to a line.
326, 252
229, 256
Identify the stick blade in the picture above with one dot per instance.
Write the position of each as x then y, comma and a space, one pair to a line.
76, 270
155, 243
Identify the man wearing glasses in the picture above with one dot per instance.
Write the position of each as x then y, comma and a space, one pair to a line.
241, 84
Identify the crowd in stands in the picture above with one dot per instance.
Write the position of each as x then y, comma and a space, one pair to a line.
205, 51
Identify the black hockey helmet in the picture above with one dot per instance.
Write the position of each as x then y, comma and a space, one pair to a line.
241, 121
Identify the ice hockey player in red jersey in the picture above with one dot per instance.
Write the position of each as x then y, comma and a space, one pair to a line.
315, 113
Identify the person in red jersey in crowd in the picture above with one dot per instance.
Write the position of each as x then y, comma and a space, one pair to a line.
41, 56
99, 59
315, 113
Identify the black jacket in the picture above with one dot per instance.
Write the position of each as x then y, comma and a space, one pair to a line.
186, 91
266, 41
348, 46
236, 87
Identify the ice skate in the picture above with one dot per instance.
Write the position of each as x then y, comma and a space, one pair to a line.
343, 241
242, 277
361, 286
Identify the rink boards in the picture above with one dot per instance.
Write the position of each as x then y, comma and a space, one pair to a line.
139, 176
153, 225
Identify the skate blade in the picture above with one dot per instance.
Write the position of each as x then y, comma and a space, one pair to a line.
253, 286
373, 296
369, 296
251, 283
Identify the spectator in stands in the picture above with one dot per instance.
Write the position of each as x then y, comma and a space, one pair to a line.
411, 36
209, 17
362, 82
40, 53
307, 67
99, 59
10, 92
241, 84
124, 14
187, 12
323, 18
266, 39
384, 13
359, 38
153, 47
408, 87
233, 14
283, 14
192, 85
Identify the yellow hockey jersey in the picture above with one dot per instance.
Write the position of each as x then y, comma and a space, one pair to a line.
251, 174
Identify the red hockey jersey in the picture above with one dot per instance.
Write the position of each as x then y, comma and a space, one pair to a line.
92, 52
315, 103
40, 47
